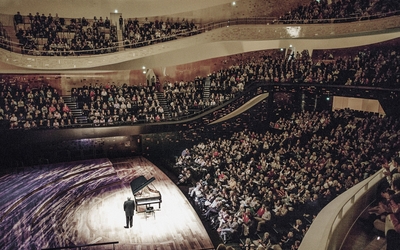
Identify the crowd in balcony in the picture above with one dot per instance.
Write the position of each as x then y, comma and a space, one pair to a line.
340, 11
374, 67
96, 37
126, 104
184, 97
110, 104
25, 107
267, 187
137, 34
191, 97
93, 36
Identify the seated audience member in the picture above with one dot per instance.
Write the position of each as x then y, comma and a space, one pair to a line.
247, 221
196, 191
264, 241
263, 217
228, 228
213, 208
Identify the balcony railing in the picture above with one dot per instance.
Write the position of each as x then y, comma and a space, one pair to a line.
7, 43
335, 220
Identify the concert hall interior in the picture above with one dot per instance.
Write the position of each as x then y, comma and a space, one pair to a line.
246, 124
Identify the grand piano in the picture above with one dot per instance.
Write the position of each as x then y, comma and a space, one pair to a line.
143, 194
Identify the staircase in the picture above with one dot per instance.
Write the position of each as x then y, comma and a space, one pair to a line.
75, 110
164, 105
119, 35
206, 90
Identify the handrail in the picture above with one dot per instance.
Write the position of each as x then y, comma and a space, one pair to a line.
328, 225
86, 245
6, 43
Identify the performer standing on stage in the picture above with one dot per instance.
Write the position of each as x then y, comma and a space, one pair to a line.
129, 208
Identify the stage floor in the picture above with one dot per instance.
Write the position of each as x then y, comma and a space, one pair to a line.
99, 217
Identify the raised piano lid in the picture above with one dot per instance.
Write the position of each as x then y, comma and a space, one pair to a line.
139, 183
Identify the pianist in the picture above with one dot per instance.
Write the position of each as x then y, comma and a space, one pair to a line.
129, 208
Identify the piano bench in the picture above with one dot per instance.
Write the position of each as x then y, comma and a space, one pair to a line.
148, 203
149, 211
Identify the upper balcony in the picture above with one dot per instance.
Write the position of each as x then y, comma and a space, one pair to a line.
215, 40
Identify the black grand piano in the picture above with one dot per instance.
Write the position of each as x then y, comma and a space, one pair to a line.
143, 194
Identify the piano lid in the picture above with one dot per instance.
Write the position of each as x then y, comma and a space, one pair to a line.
139, 183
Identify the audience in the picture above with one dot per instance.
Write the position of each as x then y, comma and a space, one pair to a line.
26, 107
118, 104
136, 34
340, 11
293, 173
77, 36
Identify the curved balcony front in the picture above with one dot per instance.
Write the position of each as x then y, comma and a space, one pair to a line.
215, 40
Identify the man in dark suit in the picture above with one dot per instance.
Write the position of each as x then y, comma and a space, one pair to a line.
129, 208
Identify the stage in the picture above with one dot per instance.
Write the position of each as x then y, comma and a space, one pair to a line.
82, 203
